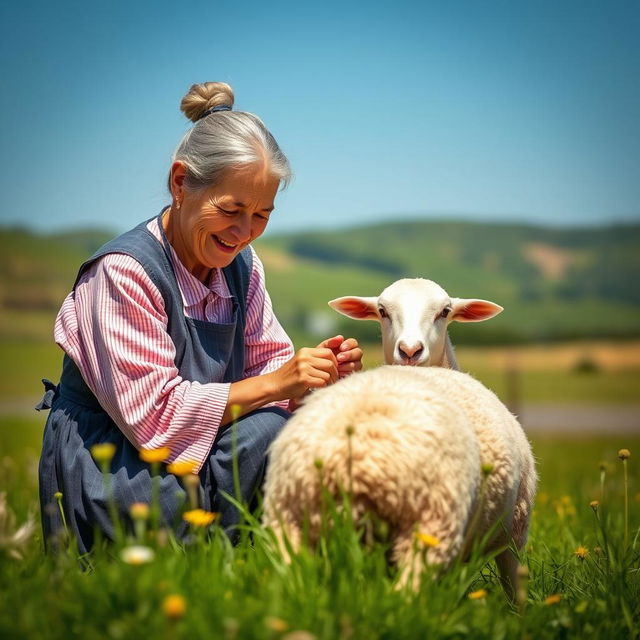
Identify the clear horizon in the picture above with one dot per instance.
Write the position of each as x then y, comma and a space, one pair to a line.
499, 112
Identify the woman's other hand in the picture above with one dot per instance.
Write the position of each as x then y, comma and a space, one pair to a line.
347, 352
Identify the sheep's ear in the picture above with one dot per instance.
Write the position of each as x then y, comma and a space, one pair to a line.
472, 310
357, 308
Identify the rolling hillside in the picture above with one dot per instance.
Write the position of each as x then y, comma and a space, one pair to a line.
553, 283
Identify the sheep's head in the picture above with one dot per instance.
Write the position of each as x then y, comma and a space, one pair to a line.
414, 315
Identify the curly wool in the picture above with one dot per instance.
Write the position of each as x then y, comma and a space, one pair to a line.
419, 439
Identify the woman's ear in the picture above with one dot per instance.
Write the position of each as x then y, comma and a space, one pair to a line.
356, 307
473, 310
178, 174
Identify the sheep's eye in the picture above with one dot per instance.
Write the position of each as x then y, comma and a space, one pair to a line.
383, 312
445, 312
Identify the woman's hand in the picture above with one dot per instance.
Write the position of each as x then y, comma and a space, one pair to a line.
347, 352
348, 356
310, 368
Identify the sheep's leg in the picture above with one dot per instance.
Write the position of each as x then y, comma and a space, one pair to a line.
288, 537
412, 556
409, 561
507, 563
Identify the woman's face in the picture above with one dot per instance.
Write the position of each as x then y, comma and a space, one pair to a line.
213, 225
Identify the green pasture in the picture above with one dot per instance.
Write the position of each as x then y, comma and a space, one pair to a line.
24, 363
345, 588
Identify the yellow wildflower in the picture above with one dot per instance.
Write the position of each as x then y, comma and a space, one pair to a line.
155, 455
276, 624
624, 454
554, 599
137, 554
104, 452
199, 517
139, 511
183, 468
427, 540
487, 468
594, 504
477, 595
235, 410
174, 606
582, 552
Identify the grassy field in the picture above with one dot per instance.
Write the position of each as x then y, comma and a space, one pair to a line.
343, 589
346, 589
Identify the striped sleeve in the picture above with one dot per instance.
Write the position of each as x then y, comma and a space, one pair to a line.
114, 327
267, 346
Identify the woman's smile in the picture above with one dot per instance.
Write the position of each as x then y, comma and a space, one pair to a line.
227, 247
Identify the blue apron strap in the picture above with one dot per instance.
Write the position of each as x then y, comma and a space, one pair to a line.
50, 392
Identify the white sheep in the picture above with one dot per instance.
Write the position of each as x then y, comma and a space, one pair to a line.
414, 315
409, 443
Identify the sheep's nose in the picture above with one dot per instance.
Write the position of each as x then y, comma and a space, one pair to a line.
411, 351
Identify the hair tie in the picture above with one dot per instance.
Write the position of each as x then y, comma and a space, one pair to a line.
220, 107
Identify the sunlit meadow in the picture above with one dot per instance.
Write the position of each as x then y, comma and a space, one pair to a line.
579, 574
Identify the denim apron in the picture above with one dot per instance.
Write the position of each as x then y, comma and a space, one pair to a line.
205, 352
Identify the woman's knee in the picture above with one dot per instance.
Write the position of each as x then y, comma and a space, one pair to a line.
264, 425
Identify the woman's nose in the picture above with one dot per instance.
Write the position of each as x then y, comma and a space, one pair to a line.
242, 228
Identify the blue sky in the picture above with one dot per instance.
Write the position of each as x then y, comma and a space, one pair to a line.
525, 111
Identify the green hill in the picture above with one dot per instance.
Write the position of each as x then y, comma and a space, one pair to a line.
554, 283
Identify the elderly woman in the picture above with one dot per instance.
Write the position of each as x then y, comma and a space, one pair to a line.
169, 326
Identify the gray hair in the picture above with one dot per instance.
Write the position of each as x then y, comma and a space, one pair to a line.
224, 139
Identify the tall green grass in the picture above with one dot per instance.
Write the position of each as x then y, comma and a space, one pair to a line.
345, 587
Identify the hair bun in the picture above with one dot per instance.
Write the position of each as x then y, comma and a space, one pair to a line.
203, 96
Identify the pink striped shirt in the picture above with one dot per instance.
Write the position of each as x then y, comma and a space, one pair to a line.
114, 327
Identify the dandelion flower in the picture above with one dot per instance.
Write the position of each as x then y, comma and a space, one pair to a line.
174, 606
582, 552
477, 595
594, 504
139, 511
624, 454
235, 410
276, 624
199, 517
137, 554
426, 539
58, 495
155, 455
487, 468
183, 468
103, 452
554, 599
